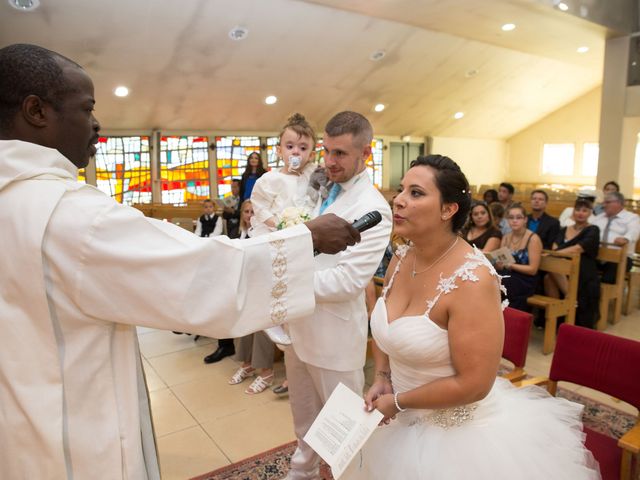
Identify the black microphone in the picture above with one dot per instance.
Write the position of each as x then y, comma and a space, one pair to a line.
367, 221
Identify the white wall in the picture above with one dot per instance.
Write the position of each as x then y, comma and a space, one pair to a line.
483, 161
577, 122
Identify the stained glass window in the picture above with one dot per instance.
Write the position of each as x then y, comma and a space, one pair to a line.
374, 163
272, 155
82, 175
184, 169
231, 154
123, 168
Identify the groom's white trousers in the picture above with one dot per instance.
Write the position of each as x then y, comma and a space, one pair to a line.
309, 389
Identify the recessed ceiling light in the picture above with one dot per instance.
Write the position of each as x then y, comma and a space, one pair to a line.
458, 115
377, 55
25, 5
121, 91
582, 49
563, 6
379, 107
271, 99
238, 33
507, 27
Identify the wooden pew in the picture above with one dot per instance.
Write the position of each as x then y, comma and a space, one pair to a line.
564, 264
632, 279
614, 254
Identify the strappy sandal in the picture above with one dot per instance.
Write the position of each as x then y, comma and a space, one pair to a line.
241, 374
259, 385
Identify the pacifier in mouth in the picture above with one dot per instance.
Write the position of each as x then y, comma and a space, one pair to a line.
294, 162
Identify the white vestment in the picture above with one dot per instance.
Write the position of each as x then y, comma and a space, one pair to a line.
79, 271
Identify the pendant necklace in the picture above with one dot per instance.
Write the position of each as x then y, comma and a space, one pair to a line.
413, 271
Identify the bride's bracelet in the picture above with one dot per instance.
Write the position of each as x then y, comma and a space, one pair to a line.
395, 400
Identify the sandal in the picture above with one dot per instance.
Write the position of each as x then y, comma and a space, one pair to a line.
259, 385
241, 374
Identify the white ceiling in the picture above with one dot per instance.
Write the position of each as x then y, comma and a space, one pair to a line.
185, 73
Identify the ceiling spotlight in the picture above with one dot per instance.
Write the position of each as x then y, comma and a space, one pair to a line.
507, 27
563, 6
121, 91
582, 49
377, 55
271, 99
379, 107
238, 33
25, 5
458, 115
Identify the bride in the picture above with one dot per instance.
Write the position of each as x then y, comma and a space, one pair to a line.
438, 331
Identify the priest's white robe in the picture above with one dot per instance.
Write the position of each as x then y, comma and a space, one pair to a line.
79, 271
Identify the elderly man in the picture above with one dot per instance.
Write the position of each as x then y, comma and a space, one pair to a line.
80, 271
617, 226
329, 347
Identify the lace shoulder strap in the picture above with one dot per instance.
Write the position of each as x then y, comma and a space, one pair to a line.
466, 272
401, 252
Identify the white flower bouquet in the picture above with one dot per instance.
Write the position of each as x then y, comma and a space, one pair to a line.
292, 216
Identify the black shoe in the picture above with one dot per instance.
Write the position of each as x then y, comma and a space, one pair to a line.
219, 354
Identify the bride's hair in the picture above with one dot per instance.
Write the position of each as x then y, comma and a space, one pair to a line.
452, 183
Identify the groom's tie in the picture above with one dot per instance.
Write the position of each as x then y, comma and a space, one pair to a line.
333, 194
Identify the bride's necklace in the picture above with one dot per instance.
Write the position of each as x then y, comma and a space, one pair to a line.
413, 270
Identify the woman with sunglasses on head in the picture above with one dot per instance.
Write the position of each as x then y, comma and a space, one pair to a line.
521, 277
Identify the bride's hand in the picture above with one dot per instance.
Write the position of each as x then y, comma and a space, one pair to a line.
379, 387
386, 405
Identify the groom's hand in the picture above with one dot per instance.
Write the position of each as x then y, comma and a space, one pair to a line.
331, 234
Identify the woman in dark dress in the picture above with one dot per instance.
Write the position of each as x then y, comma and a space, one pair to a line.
254, 170
520, 278
585, 240
480, 230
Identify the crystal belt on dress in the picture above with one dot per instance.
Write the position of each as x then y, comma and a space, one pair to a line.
446, 417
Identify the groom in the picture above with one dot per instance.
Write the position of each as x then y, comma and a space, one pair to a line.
329, 347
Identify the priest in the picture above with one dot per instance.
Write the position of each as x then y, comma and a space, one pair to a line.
80, 271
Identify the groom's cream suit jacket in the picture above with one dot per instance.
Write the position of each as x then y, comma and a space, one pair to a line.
335, 336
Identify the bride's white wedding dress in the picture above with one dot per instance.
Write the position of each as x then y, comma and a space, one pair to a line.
513, 433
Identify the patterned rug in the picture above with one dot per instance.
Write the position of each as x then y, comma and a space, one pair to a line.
274, 464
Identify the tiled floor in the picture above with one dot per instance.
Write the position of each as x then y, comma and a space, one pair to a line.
202, 423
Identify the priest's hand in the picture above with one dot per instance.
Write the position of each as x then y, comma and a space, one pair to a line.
331, 234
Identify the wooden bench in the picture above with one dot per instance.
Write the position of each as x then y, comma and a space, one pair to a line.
563, 264
614, 254
632, 279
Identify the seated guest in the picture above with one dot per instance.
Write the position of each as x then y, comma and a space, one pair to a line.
609, 187
226, 346
522, 276
231, 212
505, 194
617, 226
208, 224
545, 226
490, 196
497, 211
480, 230
566, 217
584, 239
